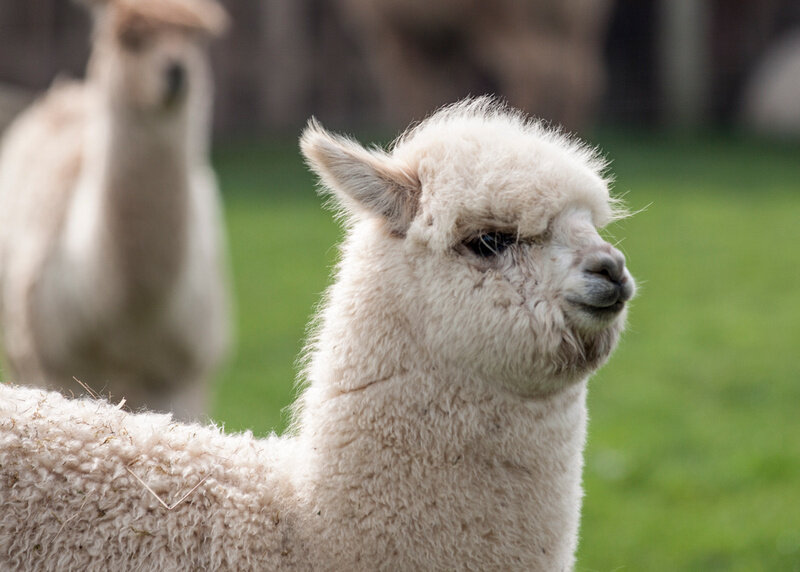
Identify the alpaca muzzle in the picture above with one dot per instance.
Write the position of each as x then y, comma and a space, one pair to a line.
607, 283
176, 84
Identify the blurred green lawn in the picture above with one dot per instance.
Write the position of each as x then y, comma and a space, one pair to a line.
693, 457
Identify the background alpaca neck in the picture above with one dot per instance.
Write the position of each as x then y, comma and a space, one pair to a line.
127, 225
145, 207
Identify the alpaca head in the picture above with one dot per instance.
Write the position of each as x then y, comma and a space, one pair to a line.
149, 56
488, 227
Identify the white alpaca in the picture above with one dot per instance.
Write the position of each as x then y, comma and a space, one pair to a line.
110, 230
443, 422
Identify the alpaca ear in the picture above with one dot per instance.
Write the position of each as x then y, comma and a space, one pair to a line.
362, 179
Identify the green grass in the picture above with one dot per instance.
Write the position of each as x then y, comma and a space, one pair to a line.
282, 245
693, 461
693, 458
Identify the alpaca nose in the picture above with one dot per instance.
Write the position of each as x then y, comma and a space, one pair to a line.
605, 272
175, 79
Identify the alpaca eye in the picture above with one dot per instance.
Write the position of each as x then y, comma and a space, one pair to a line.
490, 244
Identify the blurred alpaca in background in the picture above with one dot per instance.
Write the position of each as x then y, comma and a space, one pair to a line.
111, 258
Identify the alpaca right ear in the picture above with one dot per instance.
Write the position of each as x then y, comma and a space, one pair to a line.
362, 179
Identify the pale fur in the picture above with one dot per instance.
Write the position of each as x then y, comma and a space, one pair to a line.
443, 419
111, 246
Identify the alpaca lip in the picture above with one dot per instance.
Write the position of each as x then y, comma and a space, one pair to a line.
614, 308
173, 97
601, 312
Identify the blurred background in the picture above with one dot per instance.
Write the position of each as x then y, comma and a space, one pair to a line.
362, 63
693, 457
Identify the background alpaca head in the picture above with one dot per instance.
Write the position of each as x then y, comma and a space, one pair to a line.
149, 56
481, 227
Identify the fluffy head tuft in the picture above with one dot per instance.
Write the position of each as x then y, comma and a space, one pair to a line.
486, 111
207, 17
480, 141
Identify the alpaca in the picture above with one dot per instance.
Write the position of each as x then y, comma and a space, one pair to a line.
443, 417
111, 259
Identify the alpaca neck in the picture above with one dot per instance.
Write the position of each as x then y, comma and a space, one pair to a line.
415, 433
145, 206
128, 224
443, 457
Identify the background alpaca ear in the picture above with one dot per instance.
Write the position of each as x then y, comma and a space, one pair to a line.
362, 179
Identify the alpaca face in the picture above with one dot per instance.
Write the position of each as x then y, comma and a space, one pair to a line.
488, 225
531, 311
155, 72
151, 57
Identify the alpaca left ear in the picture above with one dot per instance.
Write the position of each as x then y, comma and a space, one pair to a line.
362, 179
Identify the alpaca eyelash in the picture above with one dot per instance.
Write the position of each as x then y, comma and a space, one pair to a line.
489, 244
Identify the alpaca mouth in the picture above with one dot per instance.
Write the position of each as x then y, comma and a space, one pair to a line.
602, 312
603, 298
173, 98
